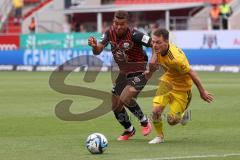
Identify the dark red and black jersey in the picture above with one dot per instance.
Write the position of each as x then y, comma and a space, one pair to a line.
128, 50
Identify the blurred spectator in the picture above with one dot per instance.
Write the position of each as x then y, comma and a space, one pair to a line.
18, 5
32, 26
82, 28
215, 16
66, 28
142, 29
225, 12
152, 28
66, 25
74, 24
67, 3
105, 27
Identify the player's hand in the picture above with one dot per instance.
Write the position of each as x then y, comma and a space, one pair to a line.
208, 97
147, 74
92, 42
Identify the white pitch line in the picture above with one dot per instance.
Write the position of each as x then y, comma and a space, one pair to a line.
192, 157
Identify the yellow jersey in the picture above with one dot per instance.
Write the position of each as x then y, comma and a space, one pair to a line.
176, 67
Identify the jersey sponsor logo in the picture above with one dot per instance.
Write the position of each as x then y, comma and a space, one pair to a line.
126, 45
123, 45
103, 36
145, 39
136, 79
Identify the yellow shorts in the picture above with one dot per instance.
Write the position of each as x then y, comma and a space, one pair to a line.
178, 101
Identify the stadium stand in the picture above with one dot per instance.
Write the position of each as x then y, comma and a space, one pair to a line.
172, 14
182, 14
5, 9
90, 17
30, 6
234, 19
201, 21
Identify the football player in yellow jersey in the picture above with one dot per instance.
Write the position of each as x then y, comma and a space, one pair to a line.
178, 79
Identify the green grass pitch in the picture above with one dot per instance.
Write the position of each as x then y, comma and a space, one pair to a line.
30, 130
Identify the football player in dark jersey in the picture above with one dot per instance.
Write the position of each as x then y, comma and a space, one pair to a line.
127, 50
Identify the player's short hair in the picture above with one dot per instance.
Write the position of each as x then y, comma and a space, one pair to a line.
121, 14
161, 32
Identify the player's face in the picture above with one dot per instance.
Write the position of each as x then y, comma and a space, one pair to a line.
159, 44
120, 26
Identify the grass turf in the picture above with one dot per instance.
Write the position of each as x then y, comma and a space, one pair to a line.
29, 128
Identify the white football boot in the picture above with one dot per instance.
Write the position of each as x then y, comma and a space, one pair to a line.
156, 140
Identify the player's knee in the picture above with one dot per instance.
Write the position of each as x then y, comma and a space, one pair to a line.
156, 113
117, 108
172, 120
125, 102
132, 102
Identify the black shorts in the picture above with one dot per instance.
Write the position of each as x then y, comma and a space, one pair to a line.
137, 80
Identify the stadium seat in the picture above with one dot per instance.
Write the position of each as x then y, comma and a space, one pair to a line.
11, 27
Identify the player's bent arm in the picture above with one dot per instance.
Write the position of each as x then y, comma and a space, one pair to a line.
203, 93
98, 49
196, 80
153, 66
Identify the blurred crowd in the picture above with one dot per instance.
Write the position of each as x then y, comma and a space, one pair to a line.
71, 25
18, 6
219, 15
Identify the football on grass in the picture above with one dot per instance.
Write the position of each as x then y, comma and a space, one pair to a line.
96, 143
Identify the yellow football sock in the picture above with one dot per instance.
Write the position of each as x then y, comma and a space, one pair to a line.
158, 127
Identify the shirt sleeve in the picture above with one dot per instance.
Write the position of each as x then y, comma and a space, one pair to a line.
140, 38
105, 38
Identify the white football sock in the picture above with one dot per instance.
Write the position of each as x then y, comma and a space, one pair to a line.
143, 119
130, 128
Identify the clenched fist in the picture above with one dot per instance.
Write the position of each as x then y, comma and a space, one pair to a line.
92, 42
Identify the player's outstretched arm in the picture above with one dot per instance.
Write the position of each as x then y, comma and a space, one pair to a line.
153, 66
208, 97
96, 47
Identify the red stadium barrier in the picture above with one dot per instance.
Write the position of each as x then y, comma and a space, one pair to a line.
125, 2
9, 42
42, 4
31, 1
